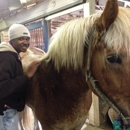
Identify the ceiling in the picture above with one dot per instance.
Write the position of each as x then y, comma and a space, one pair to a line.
10, 8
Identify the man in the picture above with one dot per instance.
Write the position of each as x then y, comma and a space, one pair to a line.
12, 79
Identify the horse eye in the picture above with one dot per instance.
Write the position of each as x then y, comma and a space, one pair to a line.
114, 59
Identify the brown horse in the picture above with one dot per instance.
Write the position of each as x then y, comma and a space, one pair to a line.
27, 119
60, 91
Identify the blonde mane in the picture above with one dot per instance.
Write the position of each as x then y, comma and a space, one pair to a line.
117, 35
67, 44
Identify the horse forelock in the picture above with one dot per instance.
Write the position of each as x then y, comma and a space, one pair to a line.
117, 35
67, 44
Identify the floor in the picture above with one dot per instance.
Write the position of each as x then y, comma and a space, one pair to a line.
102, 127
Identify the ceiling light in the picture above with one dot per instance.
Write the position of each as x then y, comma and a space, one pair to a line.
24, 1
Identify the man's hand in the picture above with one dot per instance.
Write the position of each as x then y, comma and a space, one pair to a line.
32, 68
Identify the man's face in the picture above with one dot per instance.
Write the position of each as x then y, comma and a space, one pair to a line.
20, 44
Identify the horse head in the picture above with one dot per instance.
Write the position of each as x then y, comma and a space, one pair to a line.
110, 55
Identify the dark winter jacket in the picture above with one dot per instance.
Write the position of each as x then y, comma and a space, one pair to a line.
12, 79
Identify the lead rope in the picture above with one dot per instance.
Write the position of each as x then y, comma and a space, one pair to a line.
90, 79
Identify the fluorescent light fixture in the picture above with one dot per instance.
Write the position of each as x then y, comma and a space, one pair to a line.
23, 1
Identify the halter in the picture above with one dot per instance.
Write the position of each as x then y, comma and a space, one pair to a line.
90, 79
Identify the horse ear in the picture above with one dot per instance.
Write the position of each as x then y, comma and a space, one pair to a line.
108, 16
